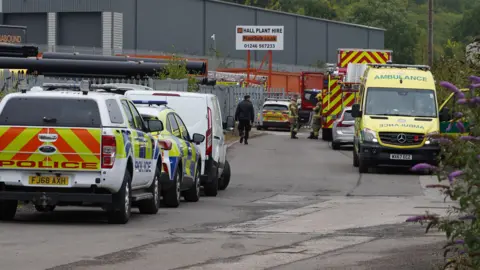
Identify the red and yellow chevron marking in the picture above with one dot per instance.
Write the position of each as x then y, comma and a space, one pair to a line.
334, 102
362, 57
76, 148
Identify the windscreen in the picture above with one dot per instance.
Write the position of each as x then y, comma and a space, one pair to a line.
41, 111
275, 107
347, 116
400, 102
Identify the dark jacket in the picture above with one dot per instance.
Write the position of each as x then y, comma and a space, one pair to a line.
245, 111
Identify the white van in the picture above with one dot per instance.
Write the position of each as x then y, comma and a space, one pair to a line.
201, 114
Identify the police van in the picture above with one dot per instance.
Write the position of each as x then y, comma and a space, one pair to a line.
63, 147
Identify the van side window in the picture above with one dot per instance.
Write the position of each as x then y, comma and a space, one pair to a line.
183, 128
129, 114
218, 115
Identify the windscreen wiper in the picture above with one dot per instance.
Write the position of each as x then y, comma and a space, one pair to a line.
397, 114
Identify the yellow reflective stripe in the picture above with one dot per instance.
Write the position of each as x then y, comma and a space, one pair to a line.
120, 145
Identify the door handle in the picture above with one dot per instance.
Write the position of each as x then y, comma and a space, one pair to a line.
216, 137
140, 139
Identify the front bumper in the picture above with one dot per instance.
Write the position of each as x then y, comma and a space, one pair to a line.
343, 138
54, 196
375, 154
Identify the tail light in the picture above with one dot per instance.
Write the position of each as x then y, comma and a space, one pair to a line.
165, 144
209, 144
165, 167
109, 150
341, 124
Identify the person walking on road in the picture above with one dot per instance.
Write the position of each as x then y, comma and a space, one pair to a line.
316, 119
293, 117
245, 116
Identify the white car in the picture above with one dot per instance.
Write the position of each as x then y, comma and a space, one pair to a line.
201, 114
343, 129
74, 148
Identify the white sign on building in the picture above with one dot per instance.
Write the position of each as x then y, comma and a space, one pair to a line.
259, 38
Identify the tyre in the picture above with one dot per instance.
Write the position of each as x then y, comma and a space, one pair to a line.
44, 209
335, 146
150, 206
171, 196
355, 158
211, 188
193, 194
225, 178
122, 202
362, 166
326, 134
8, 209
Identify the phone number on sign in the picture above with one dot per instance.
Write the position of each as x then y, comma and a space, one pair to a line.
259, 46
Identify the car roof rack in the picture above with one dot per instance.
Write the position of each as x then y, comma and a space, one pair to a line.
86, 86
421, 67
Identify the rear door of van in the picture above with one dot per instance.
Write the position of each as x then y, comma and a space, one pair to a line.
218, 136
50, 134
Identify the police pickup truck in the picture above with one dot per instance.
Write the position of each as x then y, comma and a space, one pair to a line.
68, 145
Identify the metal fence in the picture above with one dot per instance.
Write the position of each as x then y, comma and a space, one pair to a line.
228, 96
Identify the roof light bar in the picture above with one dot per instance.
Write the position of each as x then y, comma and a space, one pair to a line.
151, 102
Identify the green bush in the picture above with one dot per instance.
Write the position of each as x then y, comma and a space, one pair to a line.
176, 69
459, 178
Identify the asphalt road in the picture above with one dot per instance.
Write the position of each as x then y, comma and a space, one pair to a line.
292, 204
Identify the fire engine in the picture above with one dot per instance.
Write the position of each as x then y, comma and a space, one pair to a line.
342, 84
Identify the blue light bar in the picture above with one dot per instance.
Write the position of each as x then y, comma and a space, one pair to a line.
151, 102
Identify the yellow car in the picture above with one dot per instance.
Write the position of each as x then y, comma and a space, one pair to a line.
275, 115
182, 159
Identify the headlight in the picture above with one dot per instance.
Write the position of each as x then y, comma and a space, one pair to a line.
430, 138
368, 135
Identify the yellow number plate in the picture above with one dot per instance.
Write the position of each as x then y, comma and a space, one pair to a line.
48, 180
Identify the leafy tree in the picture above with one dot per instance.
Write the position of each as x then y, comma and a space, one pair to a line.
401, 34
176, 69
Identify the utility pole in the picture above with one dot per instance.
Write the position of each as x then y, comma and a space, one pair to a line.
430, 33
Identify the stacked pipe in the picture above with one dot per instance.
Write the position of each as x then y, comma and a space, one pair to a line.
74, 65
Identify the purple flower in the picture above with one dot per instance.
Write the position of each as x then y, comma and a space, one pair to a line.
474, 79
453, 175
458, 115
423, 166
459, 242
450, 125
450, 87
460, 95
467, 138
475, 100
460, 126
443, 140
475, 85
462, 101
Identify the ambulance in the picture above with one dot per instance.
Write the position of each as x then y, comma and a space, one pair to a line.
394, 112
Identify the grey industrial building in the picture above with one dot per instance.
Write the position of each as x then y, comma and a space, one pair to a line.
182, 26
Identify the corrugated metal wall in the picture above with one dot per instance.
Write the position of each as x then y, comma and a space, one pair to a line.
185, 26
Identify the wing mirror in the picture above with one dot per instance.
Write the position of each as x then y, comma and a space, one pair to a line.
356, 111
198, 138
445, 115
154, 125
